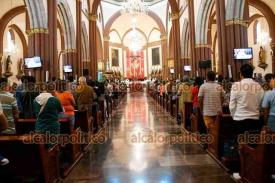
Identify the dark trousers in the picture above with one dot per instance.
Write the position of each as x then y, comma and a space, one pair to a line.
247, 125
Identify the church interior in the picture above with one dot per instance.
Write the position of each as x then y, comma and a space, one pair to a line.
137, 91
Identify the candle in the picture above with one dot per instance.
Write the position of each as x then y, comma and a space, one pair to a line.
47, 76
30, 74
229, 71
197, 73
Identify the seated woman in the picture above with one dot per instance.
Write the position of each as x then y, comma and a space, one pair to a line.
67, 100
269, 105
9, 108
47, 108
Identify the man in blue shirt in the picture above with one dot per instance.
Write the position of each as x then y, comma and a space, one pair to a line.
269, 105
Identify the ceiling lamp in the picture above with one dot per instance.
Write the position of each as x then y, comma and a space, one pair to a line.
135, 7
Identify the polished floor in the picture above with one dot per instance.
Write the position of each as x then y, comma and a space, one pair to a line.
136, 150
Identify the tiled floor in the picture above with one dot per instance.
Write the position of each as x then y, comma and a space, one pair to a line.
136, 150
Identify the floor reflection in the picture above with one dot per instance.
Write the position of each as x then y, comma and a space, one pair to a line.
122, 159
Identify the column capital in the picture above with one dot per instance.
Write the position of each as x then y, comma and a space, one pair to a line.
272, 45
202, 46
163, 37
106, 38
186, 57
174, 16
37, 31
92, 17
244, 23
69, 51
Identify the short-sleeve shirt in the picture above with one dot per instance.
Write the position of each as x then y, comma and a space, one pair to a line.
9, 104
269, 102
47, 121
211, 93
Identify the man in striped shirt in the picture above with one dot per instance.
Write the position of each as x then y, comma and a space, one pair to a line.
211, 96
8, 103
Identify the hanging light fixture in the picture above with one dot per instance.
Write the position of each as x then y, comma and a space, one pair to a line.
134, 7
135, 40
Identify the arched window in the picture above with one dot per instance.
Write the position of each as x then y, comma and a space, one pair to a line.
10, 42
258, 31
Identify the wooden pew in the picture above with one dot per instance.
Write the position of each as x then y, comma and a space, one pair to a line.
29, 160
258, 163
84, 121
72, 150
223, 131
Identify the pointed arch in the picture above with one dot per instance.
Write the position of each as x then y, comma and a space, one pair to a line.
37, 14
66, 18
85, 42
202, 21
153, 29
116, 32
185, 39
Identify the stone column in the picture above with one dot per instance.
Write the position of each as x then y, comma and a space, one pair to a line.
192, 37
93, 46
165, 71
272, 45
176, 40
43, 42
231, 34
79, 62
203, 52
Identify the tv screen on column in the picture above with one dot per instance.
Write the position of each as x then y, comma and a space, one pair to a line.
33, 62
68, 68
243, 53
187, 68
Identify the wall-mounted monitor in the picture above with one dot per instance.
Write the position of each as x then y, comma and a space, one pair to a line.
172, 71
187, 68
68, 68
33, 62
205, 64
243, 53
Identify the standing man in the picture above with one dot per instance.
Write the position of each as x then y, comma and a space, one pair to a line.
211, 97
245, 101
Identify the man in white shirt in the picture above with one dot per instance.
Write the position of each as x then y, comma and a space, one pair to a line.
245, 101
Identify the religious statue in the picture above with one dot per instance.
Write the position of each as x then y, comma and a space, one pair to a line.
8, 72
20, 68
262, 64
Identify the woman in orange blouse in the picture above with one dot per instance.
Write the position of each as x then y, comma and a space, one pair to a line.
66, 98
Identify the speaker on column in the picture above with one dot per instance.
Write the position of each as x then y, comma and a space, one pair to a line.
85, 72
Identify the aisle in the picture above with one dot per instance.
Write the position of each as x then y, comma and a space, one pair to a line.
137, 150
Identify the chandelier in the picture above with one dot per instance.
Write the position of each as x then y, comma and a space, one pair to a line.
134, 7
135, 41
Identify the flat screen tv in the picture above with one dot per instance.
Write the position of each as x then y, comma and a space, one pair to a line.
243, 53
187, 68
33, 62
172, 71
68, 68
